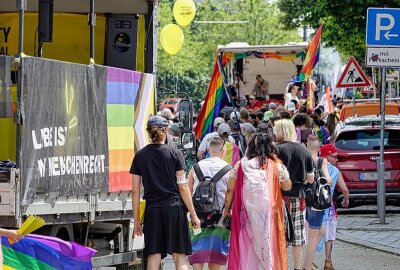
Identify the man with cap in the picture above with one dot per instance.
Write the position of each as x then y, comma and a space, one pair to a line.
232, 150
291, 107
268, 115
272, 106
237, 136
329, 152
206, 140
161, 169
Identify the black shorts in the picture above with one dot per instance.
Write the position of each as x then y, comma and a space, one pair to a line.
166, 231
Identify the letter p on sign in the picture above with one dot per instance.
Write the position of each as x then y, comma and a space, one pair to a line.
380, 18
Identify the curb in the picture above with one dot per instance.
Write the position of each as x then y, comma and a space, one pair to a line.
368, 229
351, 240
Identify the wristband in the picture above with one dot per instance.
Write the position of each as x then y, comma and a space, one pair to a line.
181, 179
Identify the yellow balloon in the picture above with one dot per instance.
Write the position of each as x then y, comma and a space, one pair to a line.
184, 12
171, 37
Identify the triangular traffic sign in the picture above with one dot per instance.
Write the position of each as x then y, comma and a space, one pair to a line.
352, 76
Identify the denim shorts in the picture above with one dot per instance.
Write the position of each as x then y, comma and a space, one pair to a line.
314, 218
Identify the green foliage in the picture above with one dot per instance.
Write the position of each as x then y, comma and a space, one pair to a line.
344, 21
190, 70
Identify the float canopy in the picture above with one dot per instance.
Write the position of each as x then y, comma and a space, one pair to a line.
83, 6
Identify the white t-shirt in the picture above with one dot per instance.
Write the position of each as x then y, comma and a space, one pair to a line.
205, 143
210, 167
289, 97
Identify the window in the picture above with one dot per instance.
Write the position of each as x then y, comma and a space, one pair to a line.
367, 140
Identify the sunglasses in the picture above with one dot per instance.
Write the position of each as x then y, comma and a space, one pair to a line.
334, 156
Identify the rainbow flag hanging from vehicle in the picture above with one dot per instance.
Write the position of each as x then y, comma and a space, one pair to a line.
312, 56
37, 252
215, 100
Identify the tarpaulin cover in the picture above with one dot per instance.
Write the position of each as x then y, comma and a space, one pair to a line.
82, 125
64, 150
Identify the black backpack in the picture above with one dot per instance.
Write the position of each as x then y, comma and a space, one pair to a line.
241, 142
205, 200
318, 194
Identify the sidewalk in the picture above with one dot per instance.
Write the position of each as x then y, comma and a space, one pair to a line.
365, 230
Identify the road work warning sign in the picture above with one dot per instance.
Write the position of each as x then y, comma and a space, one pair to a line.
352, 76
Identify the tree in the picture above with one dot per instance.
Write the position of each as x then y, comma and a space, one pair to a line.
344, 21
190, 70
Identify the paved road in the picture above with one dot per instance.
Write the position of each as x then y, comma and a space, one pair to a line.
346, 257
365, 245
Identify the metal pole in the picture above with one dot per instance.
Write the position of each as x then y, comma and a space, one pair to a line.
21, 5
374, 81
92, 23
381, 162
354, 101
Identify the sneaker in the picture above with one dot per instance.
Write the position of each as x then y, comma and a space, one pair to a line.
314, 266
328, 265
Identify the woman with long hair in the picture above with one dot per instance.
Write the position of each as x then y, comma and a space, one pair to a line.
254, 194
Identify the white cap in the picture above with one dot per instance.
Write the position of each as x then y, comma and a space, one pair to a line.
272, 106
224, 130
234, 115
218, 120
291, 107
167, 114
249, 128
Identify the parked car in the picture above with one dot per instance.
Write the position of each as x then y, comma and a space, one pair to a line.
368, 108
357, 140
170, 103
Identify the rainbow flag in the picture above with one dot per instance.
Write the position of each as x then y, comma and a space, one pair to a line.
312, 56
130, 96
215, 100
235, 56
37, 252
211, 245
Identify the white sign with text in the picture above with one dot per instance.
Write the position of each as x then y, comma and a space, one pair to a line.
383, 57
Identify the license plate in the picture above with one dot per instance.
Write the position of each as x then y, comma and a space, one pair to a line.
373, 176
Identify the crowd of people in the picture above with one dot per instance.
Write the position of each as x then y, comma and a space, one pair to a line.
280, 146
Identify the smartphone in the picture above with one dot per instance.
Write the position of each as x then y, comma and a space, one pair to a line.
227, 222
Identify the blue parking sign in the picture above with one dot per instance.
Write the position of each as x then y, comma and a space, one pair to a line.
383, 27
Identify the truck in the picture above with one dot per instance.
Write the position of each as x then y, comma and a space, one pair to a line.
277, 64
72, 119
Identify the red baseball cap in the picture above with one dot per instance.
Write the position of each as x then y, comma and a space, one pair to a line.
326, 150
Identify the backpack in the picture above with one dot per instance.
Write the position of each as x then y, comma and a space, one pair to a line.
318, 194
240, 142
205, 200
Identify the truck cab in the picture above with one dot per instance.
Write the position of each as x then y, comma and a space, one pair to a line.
72, 120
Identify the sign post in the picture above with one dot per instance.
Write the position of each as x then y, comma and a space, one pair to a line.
383, 40
381, 200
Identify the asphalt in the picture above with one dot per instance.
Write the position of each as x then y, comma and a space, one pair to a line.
361, 227
365, 230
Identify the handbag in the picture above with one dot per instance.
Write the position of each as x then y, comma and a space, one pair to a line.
289, 228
